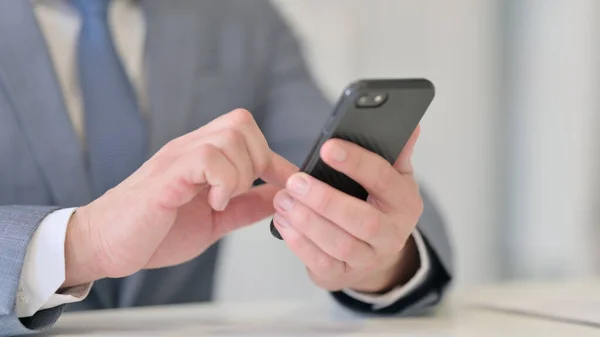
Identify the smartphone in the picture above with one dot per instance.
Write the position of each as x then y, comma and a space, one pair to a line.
378, 114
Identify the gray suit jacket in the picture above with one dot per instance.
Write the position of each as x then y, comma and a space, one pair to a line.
203, 58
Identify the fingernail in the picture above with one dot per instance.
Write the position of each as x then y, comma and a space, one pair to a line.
220, 205
285, 202
281, 221
338, 153
298, 185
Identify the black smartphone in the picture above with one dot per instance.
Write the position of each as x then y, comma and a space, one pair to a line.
378, 114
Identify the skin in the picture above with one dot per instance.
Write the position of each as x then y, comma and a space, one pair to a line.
198, 188
346, 242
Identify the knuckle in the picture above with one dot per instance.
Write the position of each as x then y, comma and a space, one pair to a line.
322, 281
324, 203
233, 137
296, 243
242, 117
205, 152
384, 179
323, 263
371, 224
354, 215
261, 164
329, 285
172, 145
345, 248
301, 218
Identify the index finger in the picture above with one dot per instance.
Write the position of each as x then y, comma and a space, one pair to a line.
278, 170
242, 121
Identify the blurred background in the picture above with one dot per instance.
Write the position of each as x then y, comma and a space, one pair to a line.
509, 148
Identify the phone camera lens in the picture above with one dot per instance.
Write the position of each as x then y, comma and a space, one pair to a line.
363, 100
371, 100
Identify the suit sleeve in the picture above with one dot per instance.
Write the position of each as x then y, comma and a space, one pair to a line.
292, 114
17, 226
292, 109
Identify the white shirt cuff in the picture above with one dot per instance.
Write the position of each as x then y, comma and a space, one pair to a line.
44, 268
394, 295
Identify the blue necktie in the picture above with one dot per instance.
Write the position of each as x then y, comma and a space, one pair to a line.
114, 128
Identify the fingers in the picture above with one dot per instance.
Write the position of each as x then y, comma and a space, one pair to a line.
246, 209
205, 166
330, 238
265, 164
370, 170
216, 170
278, 171
316, 261
228, 154
404, 162
233, 145
344, 240
241, 120
355, 216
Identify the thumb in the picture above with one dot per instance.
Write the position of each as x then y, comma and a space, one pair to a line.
278, 171
404, 162
246, 209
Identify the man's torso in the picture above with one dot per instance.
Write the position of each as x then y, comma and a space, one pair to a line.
201, 59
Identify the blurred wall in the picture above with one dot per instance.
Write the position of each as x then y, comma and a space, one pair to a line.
551, 85
508, 147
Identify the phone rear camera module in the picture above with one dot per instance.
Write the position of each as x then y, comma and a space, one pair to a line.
364, 100
371, 100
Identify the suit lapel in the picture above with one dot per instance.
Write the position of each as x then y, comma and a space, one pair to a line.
179, 46
28, 79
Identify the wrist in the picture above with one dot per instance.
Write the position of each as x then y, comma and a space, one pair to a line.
80, 257
395, 273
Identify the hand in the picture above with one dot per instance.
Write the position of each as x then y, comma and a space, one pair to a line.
346, 242
196, 189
